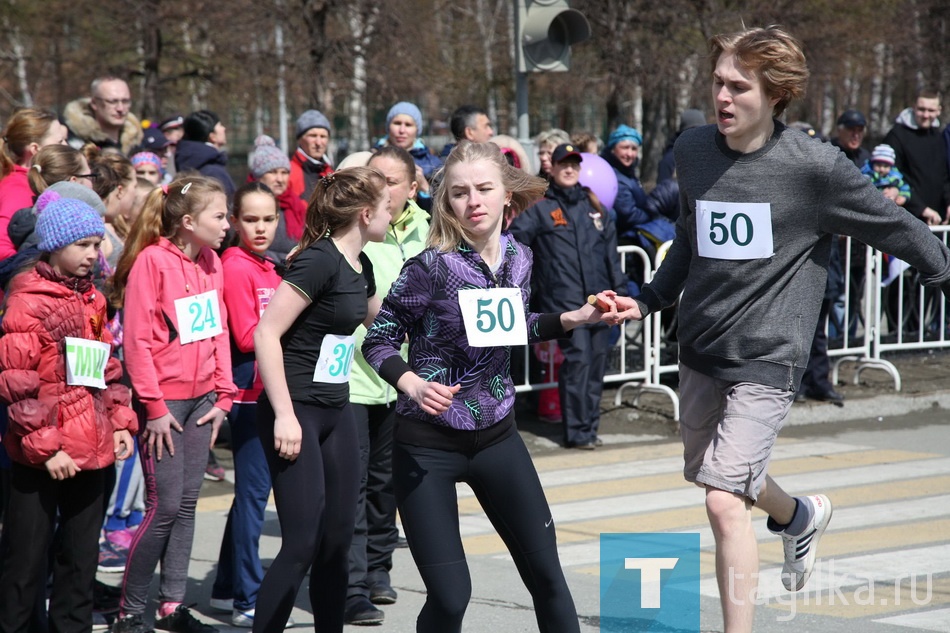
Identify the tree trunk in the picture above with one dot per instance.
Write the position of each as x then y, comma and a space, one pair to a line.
362, 18
315, 15
282, 115
151, 58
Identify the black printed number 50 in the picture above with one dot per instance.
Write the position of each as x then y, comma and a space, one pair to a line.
719, 233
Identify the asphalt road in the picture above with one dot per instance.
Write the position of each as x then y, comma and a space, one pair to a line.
888, 476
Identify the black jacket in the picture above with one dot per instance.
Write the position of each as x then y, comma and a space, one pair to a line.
922, 158
206, 160
575, 249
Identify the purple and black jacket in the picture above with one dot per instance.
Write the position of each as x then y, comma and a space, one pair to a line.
423, 303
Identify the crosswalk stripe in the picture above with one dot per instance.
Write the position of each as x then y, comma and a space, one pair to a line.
852, 512
848, 532
635, 504
575, 460
862, 603
637, 482
854, 572
935, 620
603, 472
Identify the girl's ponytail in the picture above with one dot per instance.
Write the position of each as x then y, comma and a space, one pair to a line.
161, 217
146, 230
337, 202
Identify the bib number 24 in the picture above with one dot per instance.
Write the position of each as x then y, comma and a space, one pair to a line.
203, 316
199, 317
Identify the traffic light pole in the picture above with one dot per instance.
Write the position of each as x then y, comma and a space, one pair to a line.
521, 98
521, 80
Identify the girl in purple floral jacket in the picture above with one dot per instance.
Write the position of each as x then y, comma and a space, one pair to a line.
463, 304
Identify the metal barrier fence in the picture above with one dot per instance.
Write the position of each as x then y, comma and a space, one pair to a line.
884, 309
637, 364
903, 315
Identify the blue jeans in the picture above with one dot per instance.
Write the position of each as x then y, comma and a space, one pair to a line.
239, 563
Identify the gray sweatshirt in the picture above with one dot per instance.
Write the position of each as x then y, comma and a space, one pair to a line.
753, 319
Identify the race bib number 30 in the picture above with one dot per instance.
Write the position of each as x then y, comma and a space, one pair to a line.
199, 317
336, 359
493, 316
86, 362
734, 230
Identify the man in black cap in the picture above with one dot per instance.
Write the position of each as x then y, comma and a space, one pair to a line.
173, 128
851, 128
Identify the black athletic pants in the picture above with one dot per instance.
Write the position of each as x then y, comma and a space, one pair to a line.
375, 534
36, 500
506, 485
316, 502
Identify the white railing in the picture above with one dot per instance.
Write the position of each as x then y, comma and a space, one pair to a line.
874, 319
638, 366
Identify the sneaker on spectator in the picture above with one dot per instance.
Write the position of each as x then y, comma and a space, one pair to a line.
122, 539
213, 471
99, 622
221, 605
133, 623
800, 550
111, 559
245, 619
105, 598
181, 621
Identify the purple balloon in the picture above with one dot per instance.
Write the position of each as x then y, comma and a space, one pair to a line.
599, 176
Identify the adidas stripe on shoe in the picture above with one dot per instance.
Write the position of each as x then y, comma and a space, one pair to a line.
801, 549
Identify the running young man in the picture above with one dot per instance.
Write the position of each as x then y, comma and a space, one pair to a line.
759, 205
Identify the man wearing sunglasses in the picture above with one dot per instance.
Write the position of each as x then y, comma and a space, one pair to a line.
105, 117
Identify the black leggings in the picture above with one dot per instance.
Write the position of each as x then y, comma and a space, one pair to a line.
507, 486
316, 506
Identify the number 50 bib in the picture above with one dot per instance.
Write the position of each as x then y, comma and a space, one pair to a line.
734, 230
493, 316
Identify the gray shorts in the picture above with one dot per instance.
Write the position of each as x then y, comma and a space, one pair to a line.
728, 430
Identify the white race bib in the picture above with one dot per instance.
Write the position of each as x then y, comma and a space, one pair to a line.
493, 316
734, 230
86, 362
199, 317
336, 359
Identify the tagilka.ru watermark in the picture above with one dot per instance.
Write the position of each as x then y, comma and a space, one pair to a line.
651, 582
830, 587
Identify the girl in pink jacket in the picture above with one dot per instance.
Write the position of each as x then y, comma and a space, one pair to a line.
250, 277
169, 283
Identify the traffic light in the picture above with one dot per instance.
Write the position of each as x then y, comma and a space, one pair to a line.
546, 31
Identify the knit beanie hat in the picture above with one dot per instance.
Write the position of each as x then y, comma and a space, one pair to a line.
883, 154
62, 221
67, 189
404, 107
146, 157
624, 133
311, 119
266, 157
